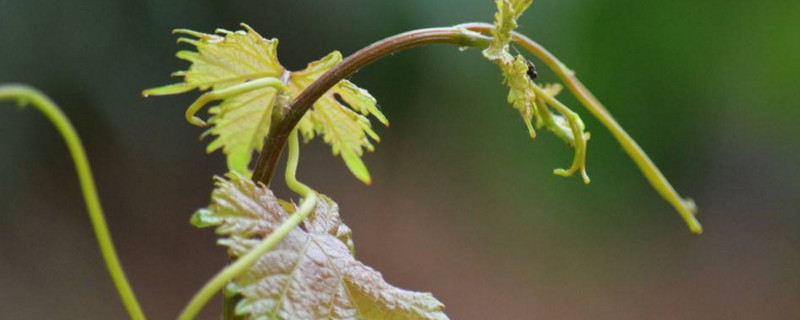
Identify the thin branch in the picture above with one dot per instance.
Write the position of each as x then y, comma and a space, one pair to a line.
279, 132
685, 207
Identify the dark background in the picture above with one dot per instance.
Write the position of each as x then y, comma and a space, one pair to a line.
463, 204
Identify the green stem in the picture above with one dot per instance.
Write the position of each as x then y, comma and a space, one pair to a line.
579, 160
246, 261
25, 95
685, 207
220, 94
291, 167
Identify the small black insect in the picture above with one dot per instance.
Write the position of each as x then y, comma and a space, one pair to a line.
532, 74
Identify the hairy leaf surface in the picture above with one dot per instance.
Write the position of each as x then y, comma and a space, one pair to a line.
312, 273
229, 60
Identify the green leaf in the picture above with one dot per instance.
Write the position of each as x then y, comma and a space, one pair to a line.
223, 61
232, 63
312, 273
168, 90
240, 125
344, 124
228, 58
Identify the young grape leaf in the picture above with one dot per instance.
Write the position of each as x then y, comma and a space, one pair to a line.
523, 92
234, 66
312, 273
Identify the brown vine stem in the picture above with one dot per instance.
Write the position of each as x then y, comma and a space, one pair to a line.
685, 207
279, 132
465, 35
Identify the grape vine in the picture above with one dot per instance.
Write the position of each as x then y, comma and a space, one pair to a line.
296, 261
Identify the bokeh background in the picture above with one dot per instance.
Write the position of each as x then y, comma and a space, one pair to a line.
463, 204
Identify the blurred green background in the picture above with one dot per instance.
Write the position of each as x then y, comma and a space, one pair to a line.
463, 204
